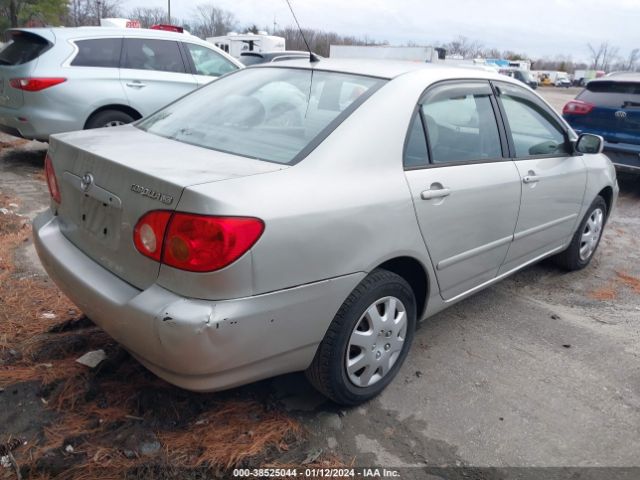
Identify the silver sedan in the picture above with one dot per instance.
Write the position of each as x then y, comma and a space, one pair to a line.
305, 216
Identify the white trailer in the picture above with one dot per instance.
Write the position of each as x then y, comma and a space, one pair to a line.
413, 54
235, 43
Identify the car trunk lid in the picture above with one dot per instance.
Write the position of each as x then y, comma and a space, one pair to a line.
109, 178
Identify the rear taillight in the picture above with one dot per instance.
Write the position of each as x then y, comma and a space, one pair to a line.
32, 84
52, 183
149, 233
577, 107
196, 243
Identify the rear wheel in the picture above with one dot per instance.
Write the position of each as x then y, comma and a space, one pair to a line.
367, 341
109, 118
586, 239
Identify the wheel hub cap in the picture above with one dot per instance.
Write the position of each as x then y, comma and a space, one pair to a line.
591, 234
376, 342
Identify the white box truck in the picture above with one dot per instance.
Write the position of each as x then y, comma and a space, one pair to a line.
413, 54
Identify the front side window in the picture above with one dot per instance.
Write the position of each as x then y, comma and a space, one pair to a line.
533, 129
209, 62
269, 114
102, 52
461, 125
149, 54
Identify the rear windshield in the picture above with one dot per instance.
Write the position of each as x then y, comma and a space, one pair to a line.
252, 59
22, 48
272, 114
615, 94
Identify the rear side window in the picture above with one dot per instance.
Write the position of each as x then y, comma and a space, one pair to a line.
416, 153
103, 52
149, 54
22, 48
461, 125
612, 94
209, 62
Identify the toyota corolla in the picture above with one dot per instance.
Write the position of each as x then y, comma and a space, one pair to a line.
305, 216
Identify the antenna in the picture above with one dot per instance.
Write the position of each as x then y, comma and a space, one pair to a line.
312, 56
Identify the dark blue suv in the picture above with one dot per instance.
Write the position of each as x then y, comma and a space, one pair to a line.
610, 107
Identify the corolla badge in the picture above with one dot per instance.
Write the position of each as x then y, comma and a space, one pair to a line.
86, 182
153, 194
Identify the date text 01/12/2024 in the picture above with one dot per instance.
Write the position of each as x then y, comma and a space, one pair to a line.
316, 472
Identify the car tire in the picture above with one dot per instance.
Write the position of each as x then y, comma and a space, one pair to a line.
109, 118
348, 340
586, 239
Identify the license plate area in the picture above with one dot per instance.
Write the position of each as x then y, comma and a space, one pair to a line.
100, 220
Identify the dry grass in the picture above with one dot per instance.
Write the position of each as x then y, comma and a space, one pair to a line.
213, 432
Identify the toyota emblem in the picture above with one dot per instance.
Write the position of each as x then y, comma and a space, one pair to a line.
621, 114
85, 183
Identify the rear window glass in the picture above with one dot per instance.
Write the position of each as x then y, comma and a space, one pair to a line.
104, 52
612, 94
269, 114
252, 59
22, 48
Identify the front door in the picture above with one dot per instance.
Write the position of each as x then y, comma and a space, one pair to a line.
553, 180
466, 191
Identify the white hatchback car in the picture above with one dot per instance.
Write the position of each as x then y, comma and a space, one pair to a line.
55, 80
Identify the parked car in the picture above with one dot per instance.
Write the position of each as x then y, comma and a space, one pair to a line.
312, 214
255, 58
56, 80
610, 107
525, 77
562, 82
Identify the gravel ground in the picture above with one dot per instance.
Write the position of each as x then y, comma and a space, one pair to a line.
540, 370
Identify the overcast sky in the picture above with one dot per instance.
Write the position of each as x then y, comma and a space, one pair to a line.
539, 28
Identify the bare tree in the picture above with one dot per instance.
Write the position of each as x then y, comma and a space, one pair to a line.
320, 41
632, 61
148, 16
211, 21
603, 55
464, 47
89, 12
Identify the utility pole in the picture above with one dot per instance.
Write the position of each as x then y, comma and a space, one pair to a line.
169, 12
99, 5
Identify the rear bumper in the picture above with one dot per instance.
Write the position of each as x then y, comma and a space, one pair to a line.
196, 344
37, 123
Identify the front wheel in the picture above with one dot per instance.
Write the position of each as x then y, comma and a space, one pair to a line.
367, 341
586, 239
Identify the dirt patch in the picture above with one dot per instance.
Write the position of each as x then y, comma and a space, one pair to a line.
117, 420
630, 281
604, 293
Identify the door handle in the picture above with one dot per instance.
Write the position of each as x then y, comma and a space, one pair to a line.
530, 179
435, 193
136, 84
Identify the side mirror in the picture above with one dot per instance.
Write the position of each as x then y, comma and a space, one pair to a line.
588, 143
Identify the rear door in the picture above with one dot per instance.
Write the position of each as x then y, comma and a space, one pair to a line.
553, 180
466, 191
154, 73
206, 64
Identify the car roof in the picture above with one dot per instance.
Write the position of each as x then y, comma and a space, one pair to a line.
390, 69
92, 32
619, 77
